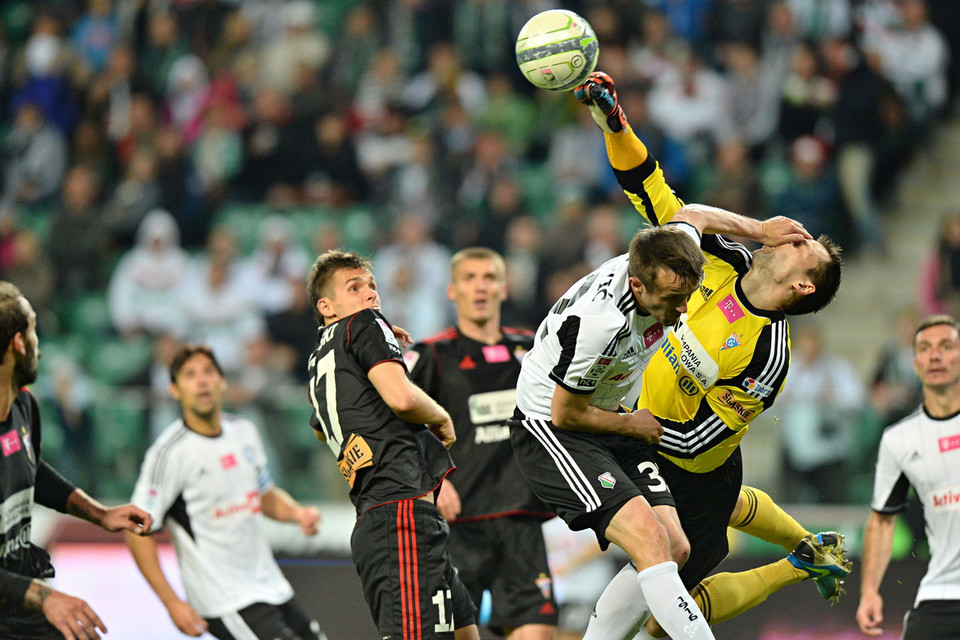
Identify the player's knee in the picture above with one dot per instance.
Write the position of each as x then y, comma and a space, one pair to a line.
680, 550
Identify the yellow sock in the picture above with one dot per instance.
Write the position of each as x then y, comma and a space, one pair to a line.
760, 517
725, 595
625, 150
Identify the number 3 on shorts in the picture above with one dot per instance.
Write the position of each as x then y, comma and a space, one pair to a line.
652, 472
440, 599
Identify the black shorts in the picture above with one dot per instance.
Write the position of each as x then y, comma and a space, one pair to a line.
585, 478
506, 556
287, 621
933, 620
26, 624
411, 587
705, 502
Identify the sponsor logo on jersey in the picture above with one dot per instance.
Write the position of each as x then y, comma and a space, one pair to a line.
730, 401
730, 309
607, 481
490, 433
545, 584
357, 455
688, 386
410, 358
731, 342
706, 292
228, 461
495, 353
13, 511
492, 406
10, 443
248, 454
251, 503
587, 382
389, 337
949, 443
27, 444
651, 335
467, 363
597, 371
691, 356
946, 499
756, 388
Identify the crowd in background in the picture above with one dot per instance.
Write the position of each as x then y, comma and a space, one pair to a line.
170, 169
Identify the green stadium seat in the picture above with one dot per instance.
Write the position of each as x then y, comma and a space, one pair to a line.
118, 361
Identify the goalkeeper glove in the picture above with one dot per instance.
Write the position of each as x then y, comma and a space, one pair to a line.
600, 96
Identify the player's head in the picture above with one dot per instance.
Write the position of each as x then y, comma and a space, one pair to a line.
196, 381
666, 267
808, 271
340, 284
478, 284
18, 334
936, 352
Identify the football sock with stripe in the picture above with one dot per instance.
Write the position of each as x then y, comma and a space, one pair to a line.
725, 595
760, 517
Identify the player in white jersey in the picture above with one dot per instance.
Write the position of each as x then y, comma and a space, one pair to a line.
206, 480
573, 446
922, 451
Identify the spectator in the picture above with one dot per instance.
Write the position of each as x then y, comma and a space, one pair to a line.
94, 35
34, 160
80, 243
187, 94
806, 96
136, 195
276, 268
217, 153
163, 48
809, 190
730, 181
939, 290
47, 85
817, 412
896, 390
302, 44
754, 94
31, 270
144, 293
334, 176
445, 81
819, 19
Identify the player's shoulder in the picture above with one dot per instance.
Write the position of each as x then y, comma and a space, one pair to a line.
174, 436
517, 336
907, 425
446, 336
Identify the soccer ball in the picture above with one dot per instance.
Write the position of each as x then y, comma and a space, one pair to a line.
557, 50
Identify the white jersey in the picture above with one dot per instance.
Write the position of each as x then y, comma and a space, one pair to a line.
592, 341
925, 452
206, 490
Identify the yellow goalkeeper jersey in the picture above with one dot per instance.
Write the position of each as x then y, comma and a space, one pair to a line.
724, 362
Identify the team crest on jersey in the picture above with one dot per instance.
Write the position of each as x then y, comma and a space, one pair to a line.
756, 388
388, 335
27, 444
730, 309
10, 443
410, 358
731, 342
607, 481
248, 454
545, 584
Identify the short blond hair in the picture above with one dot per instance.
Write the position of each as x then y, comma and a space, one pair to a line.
479, 253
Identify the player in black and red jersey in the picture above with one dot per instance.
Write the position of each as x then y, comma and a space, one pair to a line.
30, 609
390, 439
496, 541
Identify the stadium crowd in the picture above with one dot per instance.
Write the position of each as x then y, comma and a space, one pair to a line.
171, 167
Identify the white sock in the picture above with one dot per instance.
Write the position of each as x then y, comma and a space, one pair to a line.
675, 609
621, 609
643, 635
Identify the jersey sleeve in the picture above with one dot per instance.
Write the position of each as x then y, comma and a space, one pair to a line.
371, 340
649, 192
421, 361
890, 485
160, 482
264, 477
587, 350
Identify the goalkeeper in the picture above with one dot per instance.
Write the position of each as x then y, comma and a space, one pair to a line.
723, 364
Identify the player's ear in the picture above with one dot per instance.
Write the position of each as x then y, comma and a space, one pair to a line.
174, 391
804, 287
450, 292
635, 285
324, 307
18, 343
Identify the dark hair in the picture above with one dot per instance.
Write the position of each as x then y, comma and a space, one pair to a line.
187, 351
935, 321
13, 319
668, 247
322, 271
825, 278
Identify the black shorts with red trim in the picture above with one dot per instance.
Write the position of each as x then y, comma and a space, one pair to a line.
506, 556
411, 587
585, 478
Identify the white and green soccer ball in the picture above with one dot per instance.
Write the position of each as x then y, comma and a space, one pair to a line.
557, 50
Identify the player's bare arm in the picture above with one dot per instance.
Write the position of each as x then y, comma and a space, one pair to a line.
410, 402
573, 412
279, 505
72, 617
123, 518
772, 232
877, 547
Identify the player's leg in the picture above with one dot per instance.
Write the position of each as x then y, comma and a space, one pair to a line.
521, 591
933, 620
259, 620
296, 617
474, 556
758, 515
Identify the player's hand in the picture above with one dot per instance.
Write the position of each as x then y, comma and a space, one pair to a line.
782, 230
448, 502
445, 432
870, 614
71, 616
127, 517
186, 619
309, 520
643, 426
600, 96
401, 334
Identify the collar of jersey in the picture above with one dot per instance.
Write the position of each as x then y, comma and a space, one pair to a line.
742, 299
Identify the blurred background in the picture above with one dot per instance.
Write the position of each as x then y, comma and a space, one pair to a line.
170, 169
